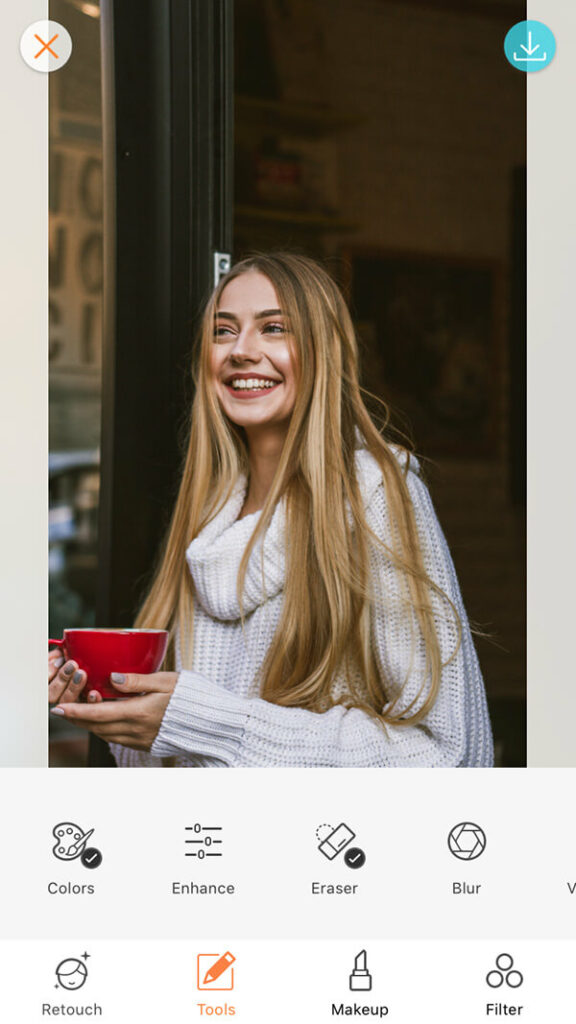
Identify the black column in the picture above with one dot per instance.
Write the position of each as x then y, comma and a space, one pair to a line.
167, 84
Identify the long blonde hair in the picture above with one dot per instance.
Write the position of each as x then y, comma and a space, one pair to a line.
325, 620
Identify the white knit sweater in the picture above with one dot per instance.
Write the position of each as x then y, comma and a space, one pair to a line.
215, 717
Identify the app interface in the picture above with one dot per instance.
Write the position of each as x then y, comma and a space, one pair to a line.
286, 401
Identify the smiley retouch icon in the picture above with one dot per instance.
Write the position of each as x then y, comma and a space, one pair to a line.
71, 973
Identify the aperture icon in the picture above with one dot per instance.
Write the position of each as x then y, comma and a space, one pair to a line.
467, 841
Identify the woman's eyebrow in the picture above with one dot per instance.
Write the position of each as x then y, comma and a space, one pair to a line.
268, 312
257, 316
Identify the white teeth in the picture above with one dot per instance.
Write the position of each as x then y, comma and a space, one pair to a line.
252, 384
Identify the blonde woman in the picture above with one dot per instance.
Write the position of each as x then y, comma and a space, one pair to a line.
314, 614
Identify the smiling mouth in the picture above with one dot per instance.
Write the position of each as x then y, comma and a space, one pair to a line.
242, 387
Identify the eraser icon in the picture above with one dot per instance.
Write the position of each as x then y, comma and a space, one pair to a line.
336, 841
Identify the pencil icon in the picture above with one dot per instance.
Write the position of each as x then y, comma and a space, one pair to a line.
218, 968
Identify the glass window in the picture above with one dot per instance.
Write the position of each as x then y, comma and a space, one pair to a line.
75, 337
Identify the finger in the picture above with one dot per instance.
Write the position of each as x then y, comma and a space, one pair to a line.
55, 661
60, 713
67, 685
94, 697
133, 722
60, 683
158, 682
87, 715
75, 687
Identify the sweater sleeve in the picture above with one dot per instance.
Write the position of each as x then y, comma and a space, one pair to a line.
206, 720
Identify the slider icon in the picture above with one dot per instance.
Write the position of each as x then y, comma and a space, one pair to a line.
360, 979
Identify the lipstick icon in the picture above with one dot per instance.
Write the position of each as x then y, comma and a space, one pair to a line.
360, 979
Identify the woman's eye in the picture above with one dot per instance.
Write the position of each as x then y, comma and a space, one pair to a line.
222, 331
275, 329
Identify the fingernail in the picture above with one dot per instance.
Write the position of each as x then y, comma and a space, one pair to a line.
92, 697
118, 677
77, 677
57, 711
69, 668
58, 662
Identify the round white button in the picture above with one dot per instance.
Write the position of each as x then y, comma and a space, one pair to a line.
46, 46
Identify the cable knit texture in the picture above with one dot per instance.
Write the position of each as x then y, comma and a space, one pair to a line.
216, 718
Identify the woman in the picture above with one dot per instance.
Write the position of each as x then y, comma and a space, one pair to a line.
314, 613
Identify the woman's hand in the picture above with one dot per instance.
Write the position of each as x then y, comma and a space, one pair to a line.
65, 680
134, 722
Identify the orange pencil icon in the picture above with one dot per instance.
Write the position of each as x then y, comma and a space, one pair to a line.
216, 969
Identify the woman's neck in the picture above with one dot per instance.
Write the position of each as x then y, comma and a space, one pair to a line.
264, 452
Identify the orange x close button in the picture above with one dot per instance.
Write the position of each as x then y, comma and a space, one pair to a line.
46, 46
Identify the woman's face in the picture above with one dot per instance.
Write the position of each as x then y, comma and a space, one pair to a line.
252, 359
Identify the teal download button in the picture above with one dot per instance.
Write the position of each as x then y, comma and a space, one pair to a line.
530, 46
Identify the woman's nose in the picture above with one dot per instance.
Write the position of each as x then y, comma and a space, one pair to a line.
246, 346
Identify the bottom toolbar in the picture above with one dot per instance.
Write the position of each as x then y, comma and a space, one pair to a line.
284, 982
286, 854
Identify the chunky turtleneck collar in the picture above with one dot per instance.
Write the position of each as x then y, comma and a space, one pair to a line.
214, 556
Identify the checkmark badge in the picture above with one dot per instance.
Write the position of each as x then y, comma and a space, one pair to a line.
91, 858
355, 857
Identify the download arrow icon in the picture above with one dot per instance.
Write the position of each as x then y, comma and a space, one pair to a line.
529, 46
530, 49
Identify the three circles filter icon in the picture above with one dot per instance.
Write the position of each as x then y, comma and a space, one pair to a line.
467, 841
504, 973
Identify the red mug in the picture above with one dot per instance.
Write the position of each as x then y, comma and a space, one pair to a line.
102, 651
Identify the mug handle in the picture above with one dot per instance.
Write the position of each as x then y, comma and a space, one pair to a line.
56, 643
